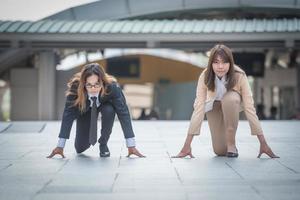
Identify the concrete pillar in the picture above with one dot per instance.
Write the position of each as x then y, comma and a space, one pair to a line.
298, 86
45, 63
24, 94
257, 90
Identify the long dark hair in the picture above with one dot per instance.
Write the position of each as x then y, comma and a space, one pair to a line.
80, 80
226, 55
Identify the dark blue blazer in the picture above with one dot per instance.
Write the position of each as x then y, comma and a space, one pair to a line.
115, 97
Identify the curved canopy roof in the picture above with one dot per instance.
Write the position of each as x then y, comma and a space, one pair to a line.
180, 9
153, 26
182, 34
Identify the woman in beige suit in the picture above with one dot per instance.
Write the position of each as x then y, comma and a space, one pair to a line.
222, 91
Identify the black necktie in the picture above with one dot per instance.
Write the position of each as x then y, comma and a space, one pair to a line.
93, 124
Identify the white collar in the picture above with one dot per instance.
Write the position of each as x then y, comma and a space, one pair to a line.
223, 79
92, 95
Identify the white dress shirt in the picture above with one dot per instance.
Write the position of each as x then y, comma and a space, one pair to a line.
91, 101
220, 85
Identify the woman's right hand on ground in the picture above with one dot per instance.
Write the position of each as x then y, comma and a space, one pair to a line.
58, 151
264, 148
185, 151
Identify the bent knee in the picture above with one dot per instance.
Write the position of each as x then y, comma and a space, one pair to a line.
231, 129
220, 151
231, 97
107, 109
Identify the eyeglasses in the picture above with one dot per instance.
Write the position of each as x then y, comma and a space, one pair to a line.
96, 85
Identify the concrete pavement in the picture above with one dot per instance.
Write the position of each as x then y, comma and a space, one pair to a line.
26, 173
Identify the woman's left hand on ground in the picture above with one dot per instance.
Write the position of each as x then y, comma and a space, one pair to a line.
264, 148
134, 151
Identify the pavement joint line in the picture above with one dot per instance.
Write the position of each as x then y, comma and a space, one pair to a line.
44, 186
252, 187
43, 127
115, 180
289, 168
6, 128
169, 156
23, 155
63, 165
120, 158
119, 162
181, 182
256, 191
178, 176
4, 168
235, 171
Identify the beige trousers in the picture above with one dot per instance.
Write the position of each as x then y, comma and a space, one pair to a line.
223, 121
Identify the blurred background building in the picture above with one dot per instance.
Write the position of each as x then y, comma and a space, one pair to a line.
156, 49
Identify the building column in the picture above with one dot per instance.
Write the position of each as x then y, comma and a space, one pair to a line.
298, 86
45, 63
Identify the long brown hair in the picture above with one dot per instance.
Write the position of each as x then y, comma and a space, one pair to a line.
79, 81
226, 55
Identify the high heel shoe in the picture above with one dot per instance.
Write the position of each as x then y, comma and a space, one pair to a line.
232, 154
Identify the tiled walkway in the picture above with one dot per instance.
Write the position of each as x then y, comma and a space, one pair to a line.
26, 173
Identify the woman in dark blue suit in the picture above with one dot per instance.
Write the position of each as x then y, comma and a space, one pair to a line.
92, 91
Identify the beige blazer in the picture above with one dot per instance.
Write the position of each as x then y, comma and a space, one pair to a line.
205, 98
